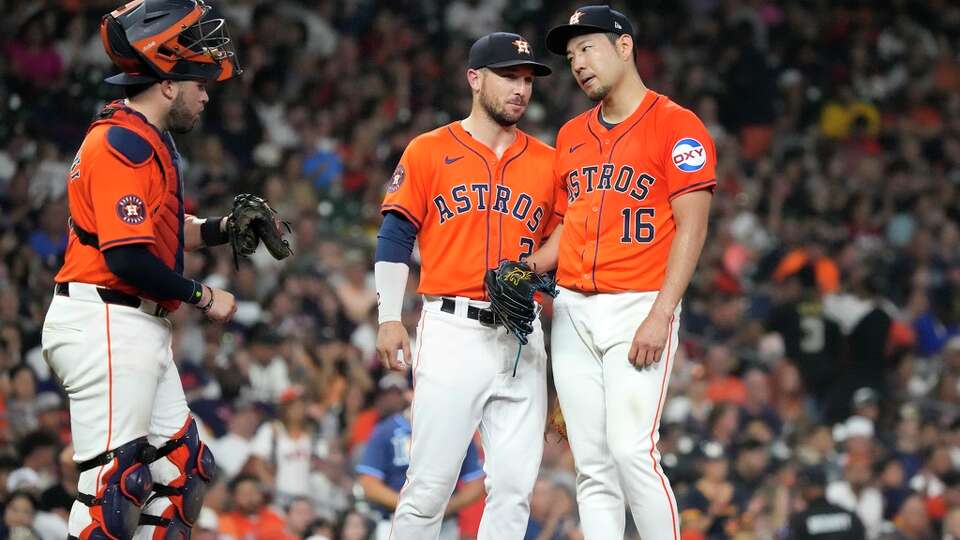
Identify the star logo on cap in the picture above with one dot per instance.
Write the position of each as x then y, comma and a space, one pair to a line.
575, 18
522, 46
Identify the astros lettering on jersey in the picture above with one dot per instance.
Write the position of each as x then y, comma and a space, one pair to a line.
618, 222
471, 209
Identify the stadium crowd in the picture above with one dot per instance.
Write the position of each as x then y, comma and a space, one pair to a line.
822, 328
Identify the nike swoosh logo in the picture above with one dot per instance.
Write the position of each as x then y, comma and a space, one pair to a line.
448, 160
574, 147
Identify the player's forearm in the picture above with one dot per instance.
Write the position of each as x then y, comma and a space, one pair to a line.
691, 215
466, 495
545, 258
202, 232
377, 492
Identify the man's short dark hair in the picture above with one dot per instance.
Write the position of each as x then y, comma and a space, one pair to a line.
34, 440
235, 483
131, 91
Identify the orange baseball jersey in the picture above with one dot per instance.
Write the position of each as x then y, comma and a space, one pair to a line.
118, 191
471, 209
618, 223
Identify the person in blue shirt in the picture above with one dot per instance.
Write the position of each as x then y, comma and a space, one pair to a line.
383, 471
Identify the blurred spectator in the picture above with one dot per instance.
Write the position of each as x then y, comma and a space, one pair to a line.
235, 448
19, 510
383, 471
552, 509
912, 522
38, 455
821, 519
250, 517
267, 370
855, 493
286, 449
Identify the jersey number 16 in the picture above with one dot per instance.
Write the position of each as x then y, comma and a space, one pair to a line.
635, 228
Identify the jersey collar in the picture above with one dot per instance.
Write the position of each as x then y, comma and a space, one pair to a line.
519, 142
593, 121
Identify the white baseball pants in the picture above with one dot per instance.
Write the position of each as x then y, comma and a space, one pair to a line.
612, 412
116, 365
463, 376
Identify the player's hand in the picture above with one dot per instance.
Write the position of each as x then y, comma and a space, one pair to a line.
392, 337
223, 307
649, 341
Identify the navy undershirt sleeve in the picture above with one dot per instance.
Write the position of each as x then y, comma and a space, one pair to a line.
136, 266
395, 239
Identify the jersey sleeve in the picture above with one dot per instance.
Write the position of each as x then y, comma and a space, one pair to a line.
406, 189
690, 159
119, 192
376, 455
471, 468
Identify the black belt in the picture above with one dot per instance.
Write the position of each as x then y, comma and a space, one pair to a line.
113, 296
485, 316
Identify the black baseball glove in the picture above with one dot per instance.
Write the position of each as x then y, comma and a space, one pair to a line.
510, 288
253, 220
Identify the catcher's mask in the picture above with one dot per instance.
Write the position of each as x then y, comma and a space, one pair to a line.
153, 40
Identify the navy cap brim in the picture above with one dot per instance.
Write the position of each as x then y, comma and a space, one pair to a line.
125, 79
539, 70
558, 37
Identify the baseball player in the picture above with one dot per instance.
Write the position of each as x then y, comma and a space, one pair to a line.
105, 334
473, 192
638, 171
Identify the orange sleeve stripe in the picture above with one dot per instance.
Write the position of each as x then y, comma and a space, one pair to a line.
707, 184
406, 213
128, 240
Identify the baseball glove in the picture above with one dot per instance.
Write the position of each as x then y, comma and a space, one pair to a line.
555, 420
251, 221
511, 287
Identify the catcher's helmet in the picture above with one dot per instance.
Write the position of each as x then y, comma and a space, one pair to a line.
153, 40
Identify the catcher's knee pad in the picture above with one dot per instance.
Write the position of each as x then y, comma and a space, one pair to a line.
185, 486
122, 490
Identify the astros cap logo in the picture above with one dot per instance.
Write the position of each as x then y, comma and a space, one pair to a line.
522, 46
575, 18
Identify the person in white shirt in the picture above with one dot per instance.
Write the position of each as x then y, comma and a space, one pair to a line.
286, 449
855, 494
234, 449
267, 370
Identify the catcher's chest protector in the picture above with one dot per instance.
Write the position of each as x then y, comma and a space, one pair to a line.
166, 212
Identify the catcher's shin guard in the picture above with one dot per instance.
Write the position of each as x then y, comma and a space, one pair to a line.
183, 469
123, 487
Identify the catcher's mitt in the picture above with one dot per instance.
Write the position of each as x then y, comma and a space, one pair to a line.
251, 221
510, 288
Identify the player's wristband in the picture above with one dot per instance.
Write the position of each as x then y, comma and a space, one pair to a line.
197, 293
211, 234
209, 305
391, 280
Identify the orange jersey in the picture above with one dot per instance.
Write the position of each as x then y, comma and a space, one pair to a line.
471, 209
618, 223
117, 190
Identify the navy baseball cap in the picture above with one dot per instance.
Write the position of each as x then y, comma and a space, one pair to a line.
588, 20
503, 49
